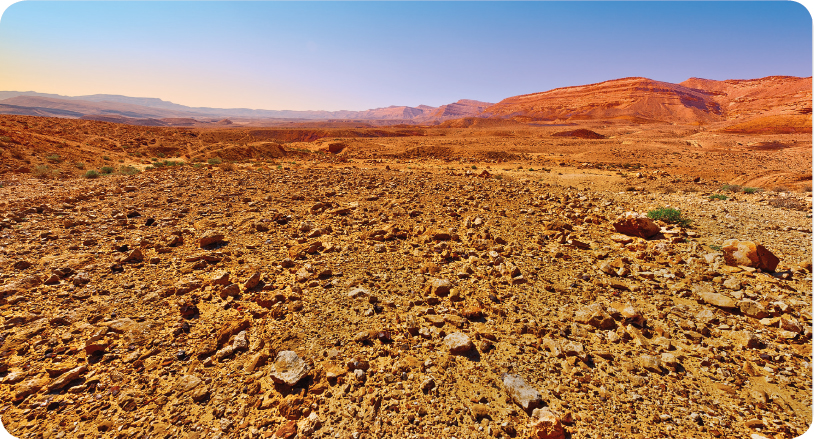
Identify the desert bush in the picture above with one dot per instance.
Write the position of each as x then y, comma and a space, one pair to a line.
107, 169
718, 197
807, 188
161, 154
92, 174
731, 188
780, 189
43, 171
474, 167
751, 190
80, 165
214, 161
53, 158
669, 215
788, 203
197, 165
128, 170
228, 166
104, 157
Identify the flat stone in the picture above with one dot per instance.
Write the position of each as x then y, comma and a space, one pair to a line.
521, 393
288, 368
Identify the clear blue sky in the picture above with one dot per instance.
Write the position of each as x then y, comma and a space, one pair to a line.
360, 55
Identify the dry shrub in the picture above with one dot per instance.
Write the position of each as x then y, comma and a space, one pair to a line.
789, 203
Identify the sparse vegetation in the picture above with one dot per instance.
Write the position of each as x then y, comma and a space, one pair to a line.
751, 190
789, 203
80, 165
106, 158
128, 170
731, 188
717, 248
718, 197
214, 161
107, 169
161, 154
228, 166
669, 215
92, 174
44, 171
53, 158
783, 189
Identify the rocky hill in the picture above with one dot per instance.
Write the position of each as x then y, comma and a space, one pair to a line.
642, 100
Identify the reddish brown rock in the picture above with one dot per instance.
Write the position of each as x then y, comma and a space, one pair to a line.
634, 224
749, 254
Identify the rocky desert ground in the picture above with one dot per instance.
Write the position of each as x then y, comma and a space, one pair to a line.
477, 279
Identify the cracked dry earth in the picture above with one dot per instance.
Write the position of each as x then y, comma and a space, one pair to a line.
363, 303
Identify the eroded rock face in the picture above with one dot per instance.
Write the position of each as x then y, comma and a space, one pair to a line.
749, 254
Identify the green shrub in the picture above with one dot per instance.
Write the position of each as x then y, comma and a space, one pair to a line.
104, 157
717, 248
751, 190
80, 165
474, 167
107, 169
161, 154
669, 215
731, 188
128, 170
214, 161
53, 158
198, 165
718, 197
92, 174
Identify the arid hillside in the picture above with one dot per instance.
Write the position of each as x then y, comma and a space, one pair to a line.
773, 104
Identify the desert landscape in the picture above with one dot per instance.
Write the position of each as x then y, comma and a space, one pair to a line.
630, 258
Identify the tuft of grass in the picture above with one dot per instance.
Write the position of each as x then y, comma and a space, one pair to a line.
107, 170
474, 167
731, 188
161, 154
782, 189
80, 165
92, 174
214, 161
718, 197
751, 190
717, 248
104, 157
197, 165
669, 215
53, 158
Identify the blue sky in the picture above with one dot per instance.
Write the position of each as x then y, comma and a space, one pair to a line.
360, 55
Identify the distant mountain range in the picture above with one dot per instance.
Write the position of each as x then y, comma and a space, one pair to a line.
152, 111
636, 100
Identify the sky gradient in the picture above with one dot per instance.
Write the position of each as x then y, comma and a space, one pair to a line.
361, 55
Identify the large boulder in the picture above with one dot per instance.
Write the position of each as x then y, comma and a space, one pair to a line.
636, 224
749, 254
